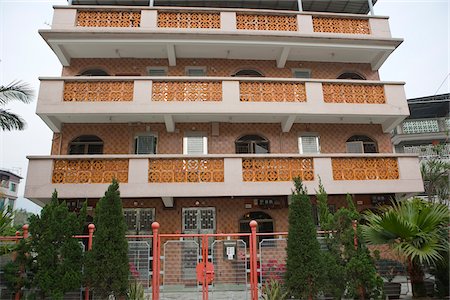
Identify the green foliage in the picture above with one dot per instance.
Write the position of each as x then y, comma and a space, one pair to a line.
416, 229
6, 219
15, 91
441, 272
18, 273
304, 275
135, 291
435, 174
107, 266
347, 269
58, 256
273, 290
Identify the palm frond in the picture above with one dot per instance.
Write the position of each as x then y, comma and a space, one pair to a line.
10, 121
16, 90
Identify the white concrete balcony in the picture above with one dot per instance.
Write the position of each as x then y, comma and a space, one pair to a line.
421, 130
169, 176
219, 99
171, 33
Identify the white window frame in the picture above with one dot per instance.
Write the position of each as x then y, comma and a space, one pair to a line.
355, 143
195, 134
301, 70
157, 68
300, 145
203, 68
154, 134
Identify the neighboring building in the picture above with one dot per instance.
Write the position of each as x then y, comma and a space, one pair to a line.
9, 186
427, 126
205, 114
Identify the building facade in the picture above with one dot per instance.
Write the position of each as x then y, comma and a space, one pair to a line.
426, 131
9, 187
205, 112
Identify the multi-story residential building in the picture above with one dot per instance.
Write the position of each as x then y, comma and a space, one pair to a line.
206, 112
427, 126
9, 187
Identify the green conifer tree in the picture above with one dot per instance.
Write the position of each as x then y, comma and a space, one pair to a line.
303, 278
107, 266
58, 256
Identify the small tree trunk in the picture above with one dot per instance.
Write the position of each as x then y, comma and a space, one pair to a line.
416, 276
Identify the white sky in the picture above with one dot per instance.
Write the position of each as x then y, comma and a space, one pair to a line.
422, 61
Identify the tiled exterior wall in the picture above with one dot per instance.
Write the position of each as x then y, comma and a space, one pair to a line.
118, 138
228, 211
217, 67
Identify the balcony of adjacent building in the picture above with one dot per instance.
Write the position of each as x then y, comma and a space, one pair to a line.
167, 32
422, 131
186, 99
253, 164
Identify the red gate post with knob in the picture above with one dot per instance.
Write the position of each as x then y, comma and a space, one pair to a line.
155, 262
253, 261
91, 228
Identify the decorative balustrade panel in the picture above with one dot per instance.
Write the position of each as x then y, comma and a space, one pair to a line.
341, 25
272, 92
92, 18
353, 93
189, 20
266, 22
89, 170
420, 126
355, 168
186, 91
277, 169
191, 170
97, 91
447, 123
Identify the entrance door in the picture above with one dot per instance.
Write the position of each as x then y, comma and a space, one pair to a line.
199, 220
139, 220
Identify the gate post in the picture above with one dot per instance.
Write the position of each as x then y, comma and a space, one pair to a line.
25, 231
253, 261
91, 228
155, 262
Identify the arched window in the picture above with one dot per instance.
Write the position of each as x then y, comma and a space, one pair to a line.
86, 144
351, 75
252, 144
94, 72
248, 73
361, 144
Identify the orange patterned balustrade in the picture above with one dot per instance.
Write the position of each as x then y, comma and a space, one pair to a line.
186, 91
101, 18
96, 91
341, 25
356, 168
266, 22
189, 20
353, 93
190, 170
272, 92
89, 170
277, 169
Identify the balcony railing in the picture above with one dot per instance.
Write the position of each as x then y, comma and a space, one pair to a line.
221, 175
219, 19
428, 150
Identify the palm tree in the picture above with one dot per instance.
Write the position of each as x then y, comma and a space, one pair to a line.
416, 229
19, 91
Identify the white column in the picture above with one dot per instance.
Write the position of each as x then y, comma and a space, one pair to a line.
300, 5
370, 7
151, 3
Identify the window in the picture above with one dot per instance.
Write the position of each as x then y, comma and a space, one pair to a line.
351, 75
157, 71
308, 144
195, 144
301, 73
196, 71
86, 144
13, 187
252, 144
94, 72
145, 144
248, 73
2, 203
361, 144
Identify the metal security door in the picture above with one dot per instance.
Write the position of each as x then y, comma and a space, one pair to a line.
139, 220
